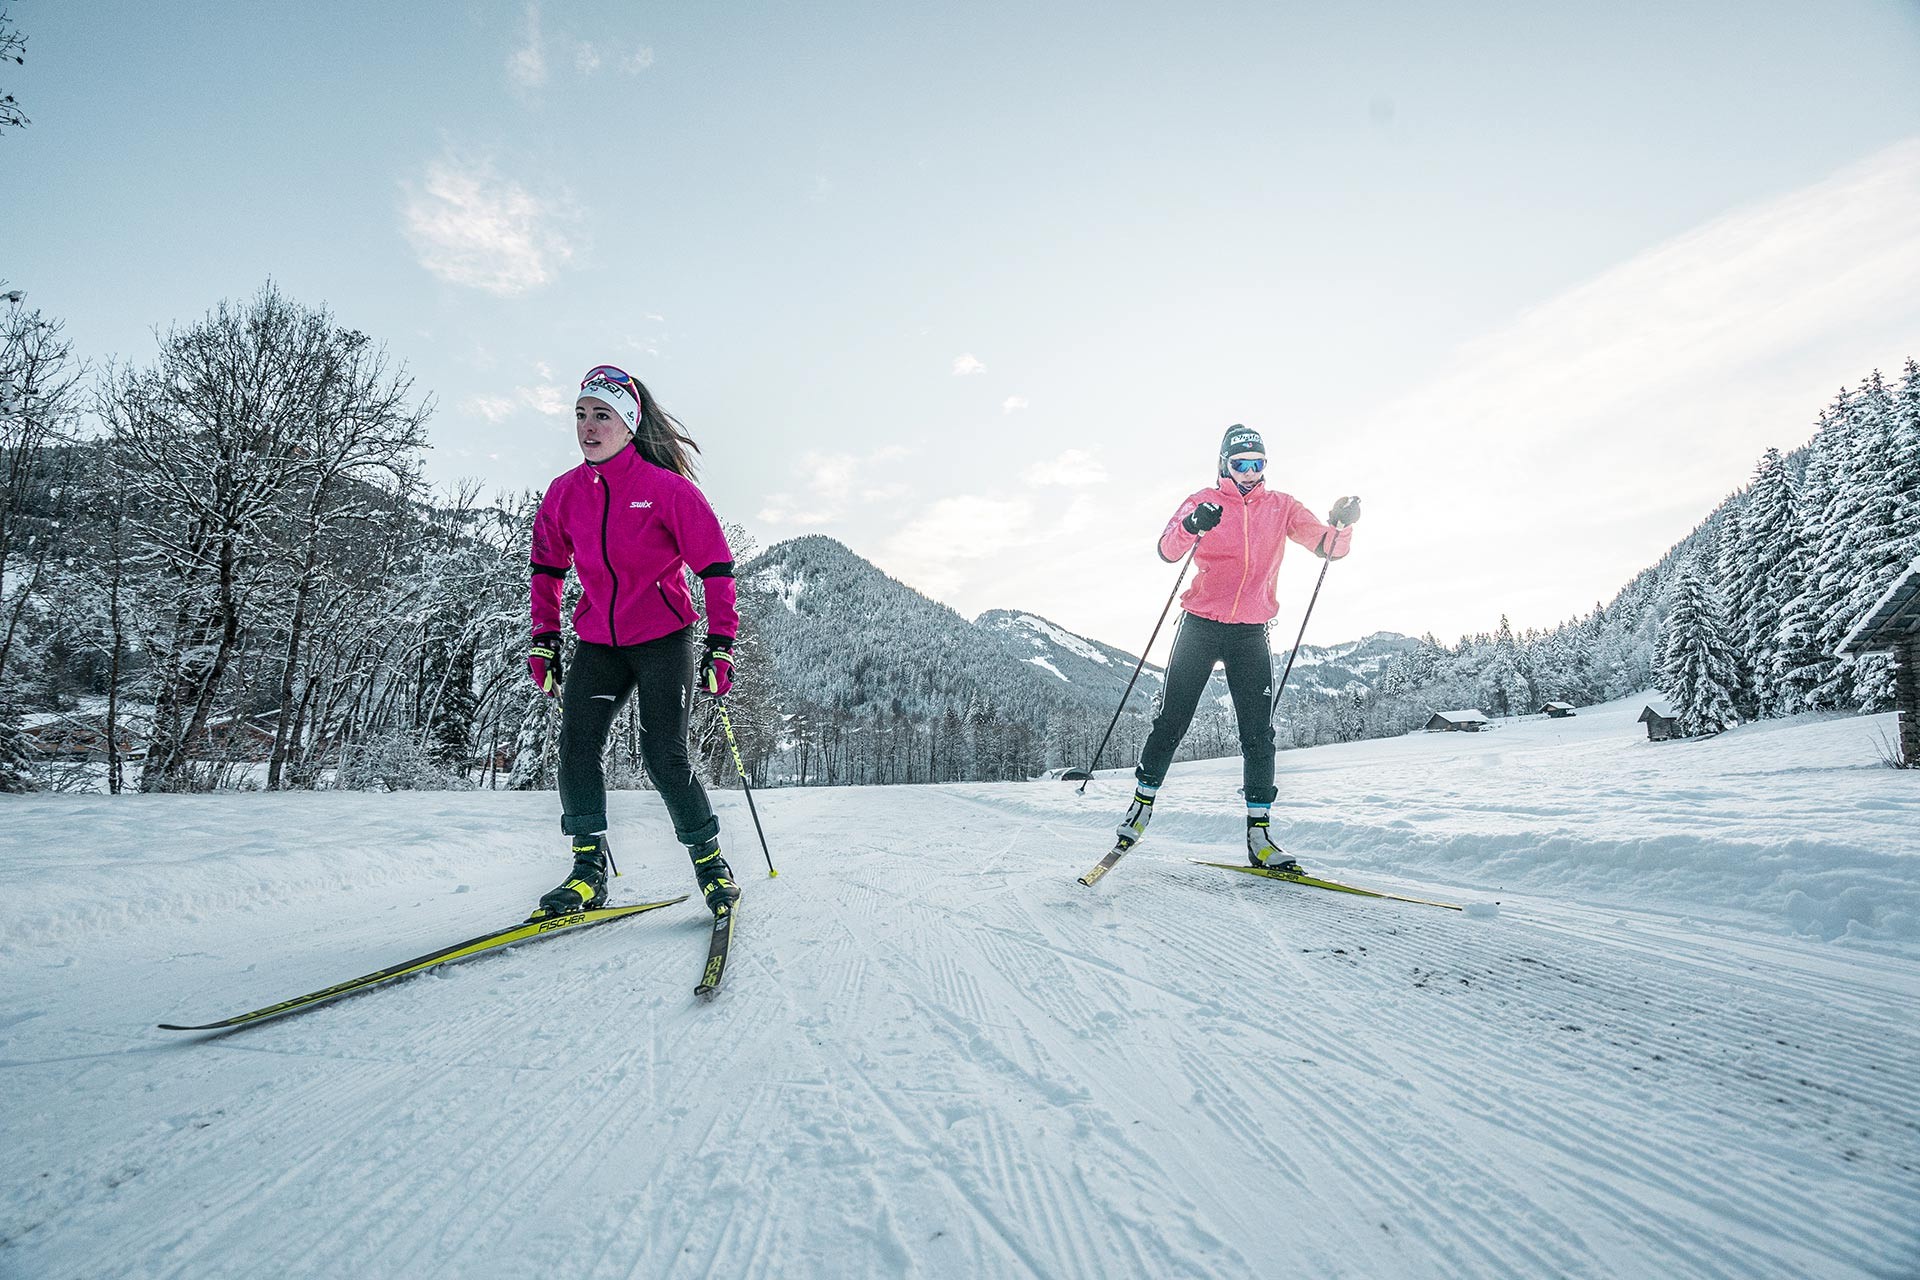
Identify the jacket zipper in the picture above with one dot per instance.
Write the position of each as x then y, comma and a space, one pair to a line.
667, 600
1245, 551
613, 597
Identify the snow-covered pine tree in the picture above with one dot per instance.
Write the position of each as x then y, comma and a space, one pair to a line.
1696, 660
1727, 577
1801, 668
1903, 467
16, 765
1758, 594
1874, 543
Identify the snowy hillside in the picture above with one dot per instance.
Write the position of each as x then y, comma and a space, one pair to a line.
847, 634
1683, 1046
1099, 669
1353, 667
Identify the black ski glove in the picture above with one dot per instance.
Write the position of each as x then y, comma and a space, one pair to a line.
1202, 518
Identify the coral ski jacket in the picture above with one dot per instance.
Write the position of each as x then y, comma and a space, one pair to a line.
630, 530
1238, 563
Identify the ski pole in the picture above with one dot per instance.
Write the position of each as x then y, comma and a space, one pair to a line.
1184, 566
1274, 708
726, 725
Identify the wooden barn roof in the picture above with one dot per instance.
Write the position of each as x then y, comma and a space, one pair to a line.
1894, 619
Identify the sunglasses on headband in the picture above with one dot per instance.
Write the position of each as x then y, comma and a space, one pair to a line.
1247, 466
609, 372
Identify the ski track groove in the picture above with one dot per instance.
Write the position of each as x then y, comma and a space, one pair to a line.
1768, 1208
1042, 1200
1771, 1209
981, 1216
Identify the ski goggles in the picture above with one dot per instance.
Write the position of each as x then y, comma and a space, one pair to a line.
1248, 466
612, 373
617, 387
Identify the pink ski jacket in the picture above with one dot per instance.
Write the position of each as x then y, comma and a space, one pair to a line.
1237, 566
630, 530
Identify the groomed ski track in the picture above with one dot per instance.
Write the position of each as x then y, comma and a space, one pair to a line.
935, 1054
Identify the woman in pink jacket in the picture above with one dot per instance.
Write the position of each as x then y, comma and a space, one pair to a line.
630, 521
1241, 528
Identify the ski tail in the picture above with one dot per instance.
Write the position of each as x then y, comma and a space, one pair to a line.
1107, 863
720, 942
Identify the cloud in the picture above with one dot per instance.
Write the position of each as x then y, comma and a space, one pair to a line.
830, 483
1639, 398
527, 65
1013, 403
638, 61
493, 408
1073, 469
930, 550
547, 399
586, 57
470, 226
965, 364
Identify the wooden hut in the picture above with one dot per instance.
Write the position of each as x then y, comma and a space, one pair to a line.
1457, 722
76, 735
1557, 710
1892, 625
1660, 720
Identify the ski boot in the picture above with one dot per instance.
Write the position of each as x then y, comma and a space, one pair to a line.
1263, 852
1139, 814
714, 876
586, 886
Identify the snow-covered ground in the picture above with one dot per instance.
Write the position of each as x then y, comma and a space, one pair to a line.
1685, 1045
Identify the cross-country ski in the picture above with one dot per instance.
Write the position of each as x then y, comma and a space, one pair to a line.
485, 943
1316, 882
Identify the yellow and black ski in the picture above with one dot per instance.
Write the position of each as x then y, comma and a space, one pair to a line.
446, 955
1107, 863
717, 953
1314, 882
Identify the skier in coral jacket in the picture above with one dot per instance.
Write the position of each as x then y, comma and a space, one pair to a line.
630, 521
1241, 529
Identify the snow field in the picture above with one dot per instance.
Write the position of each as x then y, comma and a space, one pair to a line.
938, 1055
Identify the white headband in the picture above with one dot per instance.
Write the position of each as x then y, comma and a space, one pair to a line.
601, 387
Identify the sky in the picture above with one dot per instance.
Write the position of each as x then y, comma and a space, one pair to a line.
976, 291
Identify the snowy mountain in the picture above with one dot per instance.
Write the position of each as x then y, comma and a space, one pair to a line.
1097, 669
1354, 667
845, 633
1681, 1046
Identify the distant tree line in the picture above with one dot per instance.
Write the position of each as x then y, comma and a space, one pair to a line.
1737, 622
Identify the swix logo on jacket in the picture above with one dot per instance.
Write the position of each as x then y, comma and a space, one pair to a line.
1237, 566
630, 530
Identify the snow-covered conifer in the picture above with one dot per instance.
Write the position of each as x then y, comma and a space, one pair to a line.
1759, 592
1696, 660
1801, 668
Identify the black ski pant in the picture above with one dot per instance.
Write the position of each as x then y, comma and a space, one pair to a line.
659, 674
1242, 648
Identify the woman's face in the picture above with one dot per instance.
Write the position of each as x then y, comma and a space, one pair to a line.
601, 432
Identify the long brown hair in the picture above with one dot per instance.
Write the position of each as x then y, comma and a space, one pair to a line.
660, 438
